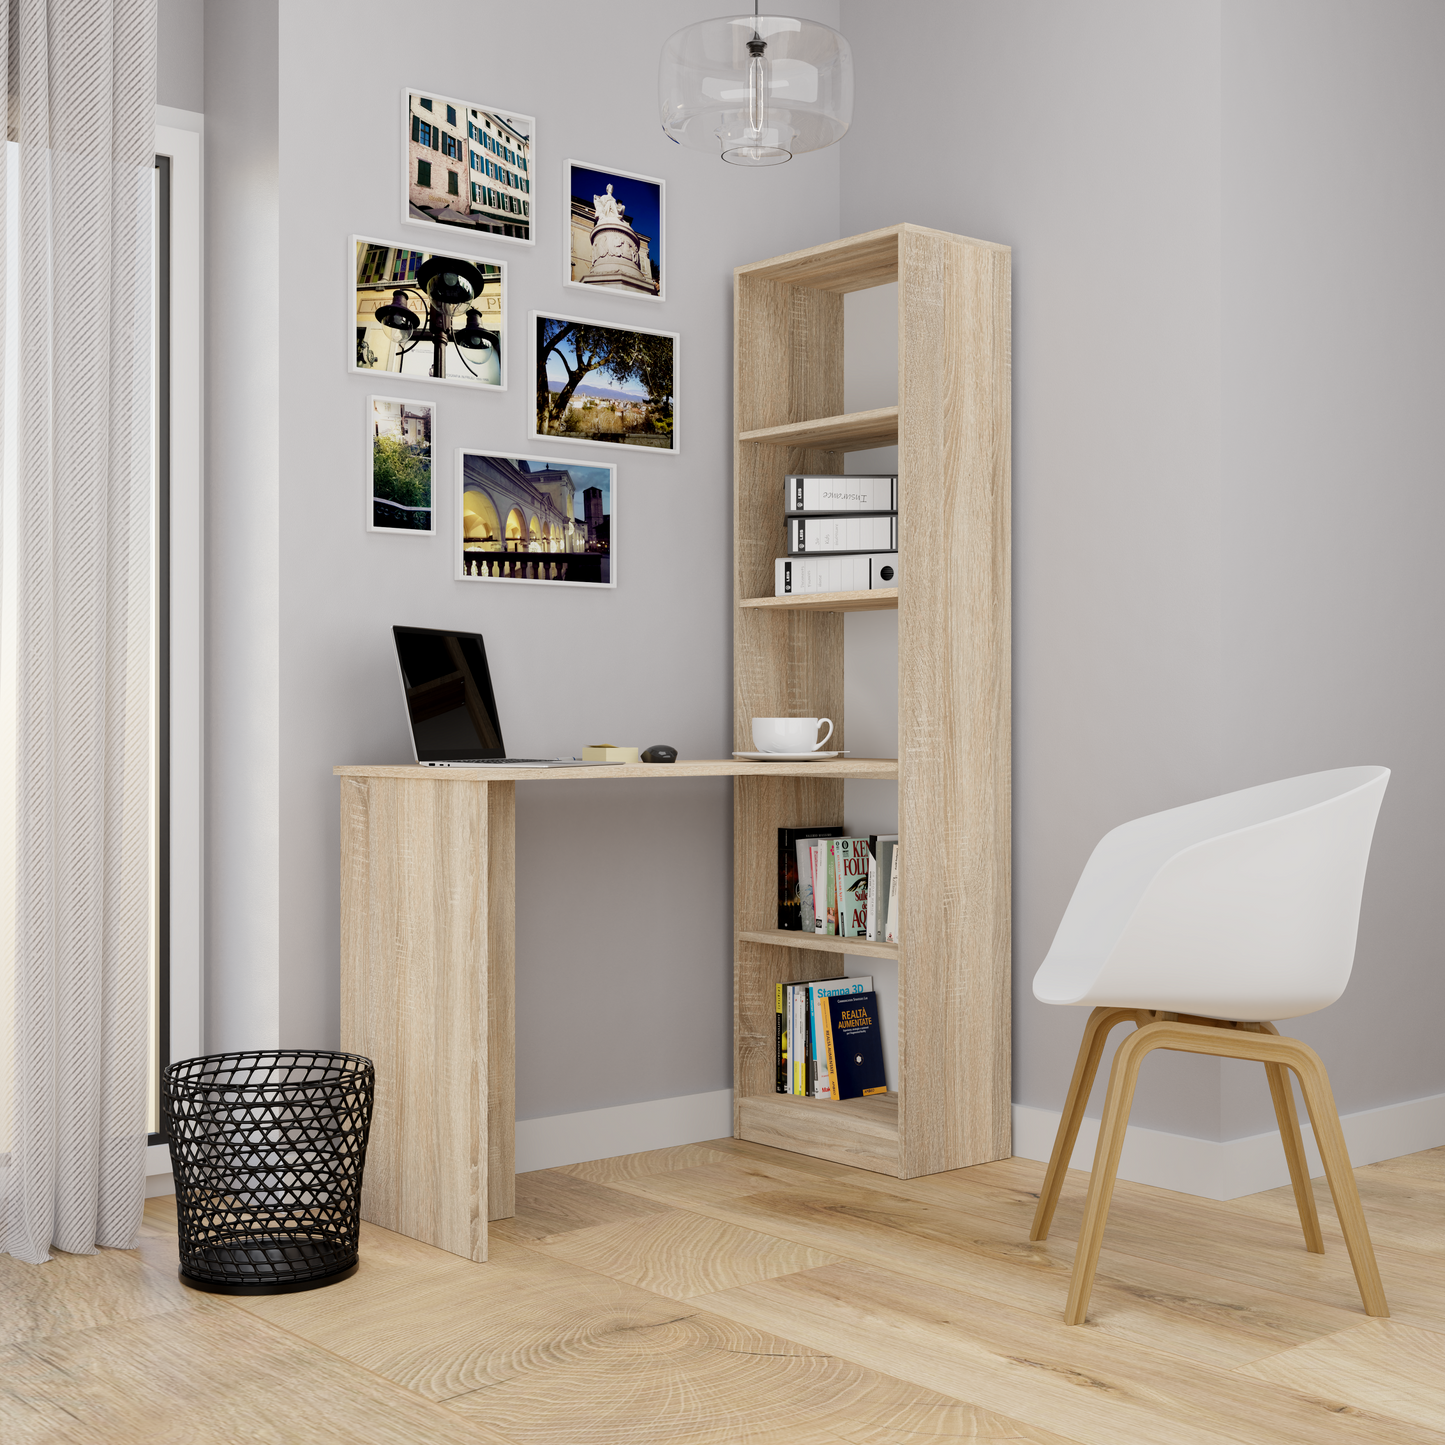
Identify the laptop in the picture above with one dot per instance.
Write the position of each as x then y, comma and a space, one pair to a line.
449, 702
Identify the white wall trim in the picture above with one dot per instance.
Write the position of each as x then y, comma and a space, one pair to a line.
1206, 1167
1234, 1167
625, 1129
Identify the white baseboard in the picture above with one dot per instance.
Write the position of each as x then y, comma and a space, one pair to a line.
572, 1138
1235, 1167
1205, 1167
625, 1129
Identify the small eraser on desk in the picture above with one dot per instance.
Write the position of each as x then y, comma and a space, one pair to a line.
608, 753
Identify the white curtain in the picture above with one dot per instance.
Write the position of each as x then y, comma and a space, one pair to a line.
76, 590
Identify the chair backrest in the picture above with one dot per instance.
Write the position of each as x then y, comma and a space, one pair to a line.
1244, 906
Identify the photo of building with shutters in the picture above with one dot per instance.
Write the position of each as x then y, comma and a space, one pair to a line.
468, 167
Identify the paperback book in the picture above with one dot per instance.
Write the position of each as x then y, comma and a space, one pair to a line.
850, 886
880, 870
802, 1067
854, 1043
795, 885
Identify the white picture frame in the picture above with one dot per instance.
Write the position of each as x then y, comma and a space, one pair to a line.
472, 122
617, 399
632, 189
377, 506
366, 296
508, 492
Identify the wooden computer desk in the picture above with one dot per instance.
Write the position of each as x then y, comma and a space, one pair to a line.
427, 966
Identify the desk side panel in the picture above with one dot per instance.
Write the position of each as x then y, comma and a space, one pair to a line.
413, 985
501, 1000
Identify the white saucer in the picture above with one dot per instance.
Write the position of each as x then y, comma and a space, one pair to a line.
789, 757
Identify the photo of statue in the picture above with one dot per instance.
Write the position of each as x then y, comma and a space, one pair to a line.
614, 241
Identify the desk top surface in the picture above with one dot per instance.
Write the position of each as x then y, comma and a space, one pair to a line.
683, 768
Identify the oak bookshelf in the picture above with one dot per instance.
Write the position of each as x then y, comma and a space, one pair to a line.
951, 425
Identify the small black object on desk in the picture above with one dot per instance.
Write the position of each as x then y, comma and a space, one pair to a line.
660, 753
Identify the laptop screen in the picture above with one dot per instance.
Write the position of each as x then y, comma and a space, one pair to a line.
448, 695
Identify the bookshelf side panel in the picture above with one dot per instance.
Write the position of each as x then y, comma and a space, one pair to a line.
954, 703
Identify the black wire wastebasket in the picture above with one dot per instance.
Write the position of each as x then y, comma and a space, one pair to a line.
267, 1151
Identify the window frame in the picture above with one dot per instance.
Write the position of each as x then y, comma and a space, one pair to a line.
182, 533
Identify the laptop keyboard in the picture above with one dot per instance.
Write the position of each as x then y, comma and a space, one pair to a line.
495, 762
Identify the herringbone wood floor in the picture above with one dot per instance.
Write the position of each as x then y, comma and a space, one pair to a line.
726, 1292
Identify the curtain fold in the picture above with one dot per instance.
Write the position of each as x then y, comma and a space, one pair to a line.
82, 109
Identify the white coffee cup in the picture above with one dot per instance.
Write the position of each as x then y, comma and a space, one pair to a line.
790, 734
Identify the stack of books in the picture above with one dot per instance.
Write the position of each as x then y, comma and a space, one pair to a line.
829, 1042
842, 535
842, 887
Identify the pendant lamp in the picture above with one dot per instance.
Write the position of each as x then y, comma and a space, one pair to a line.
756, 89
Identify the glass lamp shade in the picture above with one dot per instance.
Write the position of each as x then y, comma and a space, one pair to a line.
449, 281
756, 89
398, 318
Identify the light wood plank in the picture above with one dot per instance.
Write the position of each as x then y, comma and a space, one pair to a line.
856, 431
1099, 1391
879, 599
631, 772
786, 938
949, 1241
859, 1132
552, 1202
501, 990
681, 1254
1380, 1366
953, 701
413, 989
210, 1373
627, 1167
851, 264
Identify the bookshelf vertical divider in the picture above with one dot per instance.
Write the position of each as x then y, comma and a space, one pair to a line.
952, 427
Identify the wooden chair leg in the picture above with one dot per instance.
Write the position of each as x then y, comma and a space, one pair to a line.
1091, 1049
1294, 1148
1122, 1078
1324, 1116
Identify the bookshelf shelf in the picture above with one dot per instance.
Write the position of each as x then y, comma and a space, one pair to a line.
857, 431
860, 1132
791, 938
880, 599
952, 427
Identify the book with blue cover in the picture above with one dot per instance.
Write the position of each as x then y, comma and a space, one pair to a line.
855, 1046
818, 995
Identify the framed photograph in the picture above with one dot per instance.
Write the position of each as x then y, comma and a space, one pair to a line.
604, 385
428, 315
399, 466
614, 231
540, 520
469, 166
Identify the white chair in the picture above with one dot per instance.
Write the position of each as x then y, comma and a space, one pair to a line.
1200, 924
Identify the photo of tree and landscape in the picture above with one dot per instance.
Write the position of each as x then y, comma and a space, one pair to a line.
610, 385
400, 465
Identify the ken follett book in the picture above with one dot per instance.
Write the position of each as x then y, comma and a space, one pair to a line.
855, 1046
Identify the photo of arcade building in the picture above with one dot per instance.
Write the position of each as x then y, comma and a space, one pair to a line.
525, 520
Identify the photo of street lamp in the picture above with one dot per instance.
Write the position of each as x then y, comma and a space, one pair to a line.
427, 315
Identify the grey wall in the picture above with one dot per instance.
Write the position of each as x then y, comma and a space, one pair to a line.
1226, 443
243, 404
624, 890
180, 65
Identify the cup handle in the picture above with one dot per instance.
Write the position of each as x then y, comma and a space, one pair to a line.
817, 745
